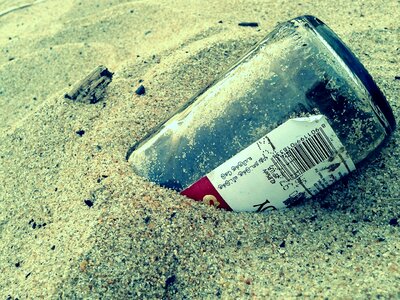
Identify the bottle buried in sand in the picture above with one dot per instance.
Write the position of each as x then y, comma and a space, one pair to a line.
295, 114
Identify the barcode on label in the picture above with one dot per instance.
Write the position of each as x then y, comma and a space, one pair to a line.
304, 155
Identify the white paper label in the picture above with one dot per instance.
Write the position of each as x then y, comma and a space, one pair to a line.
296, 160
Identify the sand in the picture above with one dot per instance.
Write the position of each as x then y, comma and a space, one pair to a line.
76, 222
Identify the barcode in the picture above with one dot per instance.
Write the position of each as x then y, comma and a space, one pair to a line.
303, 156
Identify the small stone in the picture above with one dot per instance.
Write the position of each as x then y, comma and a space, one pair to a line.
248, 24
397, 77
170, 281
83, 265
147, 220
283, 244
89, 203
18, 264
140, 90
394, 222
172, 216
80, 132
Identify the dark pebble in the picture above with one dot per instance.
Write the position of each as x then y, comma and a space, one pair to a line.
147, 220
172, 216
248, 24
170, 281
380, 239
53, 247
220, 22
89, 203
238, 243
397, 77
140, 90
27, 275
394, 222
18, 264
11, 58
283, 244
35, 225
80, 132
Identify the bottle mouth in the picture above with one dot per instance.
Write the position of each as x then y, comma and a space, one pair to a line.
379, 103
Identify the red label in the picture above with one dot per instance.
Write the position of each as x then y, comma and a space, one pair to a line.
203, 190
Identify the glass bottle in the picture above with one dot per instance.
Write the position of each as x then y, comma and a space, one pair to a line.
301, 73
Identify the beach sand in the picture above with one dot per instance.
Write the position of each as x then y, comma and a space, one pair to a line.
141, 241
